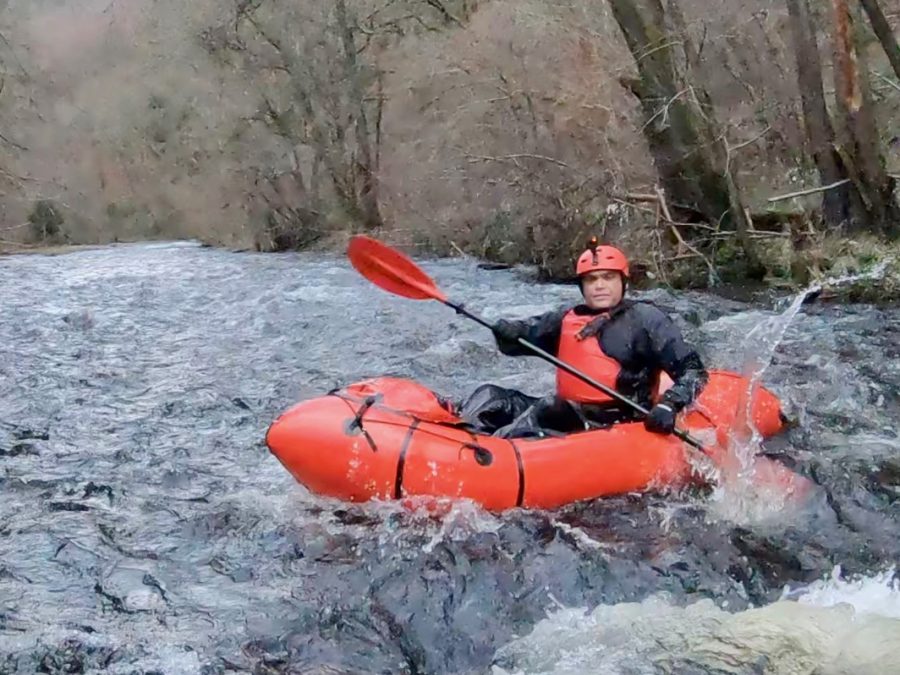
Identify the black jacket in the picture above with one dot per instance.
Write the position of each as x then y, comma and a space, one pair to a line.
636, 334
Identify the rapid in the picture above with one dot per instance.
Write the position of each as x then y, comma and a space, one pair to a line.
145, 528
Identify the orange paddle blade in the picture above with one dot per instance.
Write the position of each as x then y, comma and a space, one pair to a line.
389, 269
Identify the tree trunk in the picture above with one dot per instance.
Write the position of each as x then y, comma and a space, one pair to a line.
673, 126
819, 132
885, 35
716, 147
875, 209
367, 186
684, 138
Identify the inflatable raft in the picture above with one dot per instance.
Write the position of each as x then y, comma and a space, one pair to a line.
390, 438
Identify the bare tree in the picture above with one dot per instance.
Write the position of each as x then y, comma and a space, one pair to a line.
873, 206
327, 107
819, 131
317, 68
14, 77
847, 152
883, 30
366, 188
684, 136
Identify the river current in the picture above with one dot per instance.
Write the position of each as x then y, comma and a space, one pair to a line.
145, 528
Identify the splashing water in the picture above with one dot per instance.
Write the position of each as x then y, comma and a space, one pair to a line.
457, 520
744, 495
878, 594
836, 627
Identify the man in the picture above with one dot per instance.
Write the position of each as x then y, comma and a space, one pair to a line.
621, 343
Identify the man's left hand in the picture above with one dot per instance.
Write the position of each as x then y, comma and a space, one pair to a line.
661, 419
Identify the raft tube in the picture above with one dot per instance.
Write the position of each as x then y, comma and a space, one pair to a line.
391, 438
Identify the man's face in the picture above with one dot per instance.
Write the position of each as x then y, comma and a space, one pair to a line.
602, 289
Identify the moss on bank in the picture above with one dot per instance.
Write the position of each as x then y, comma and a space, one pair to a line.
864, 269
861, 269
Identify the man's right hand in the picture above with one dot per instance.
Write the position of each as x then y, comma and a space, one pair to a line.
506, 331
661, 419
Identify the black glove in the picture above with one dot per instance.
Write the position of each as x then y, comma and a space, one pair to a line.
506, 331
661, 419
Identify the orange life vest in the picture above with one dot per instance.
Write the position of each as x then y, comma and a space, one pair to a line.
588, 357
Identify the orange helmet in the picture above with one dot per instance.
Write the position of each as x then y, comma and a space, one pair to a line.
597, 258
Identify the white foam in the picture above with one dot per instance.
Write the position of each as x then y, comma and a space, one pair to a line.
878, 594
838, 627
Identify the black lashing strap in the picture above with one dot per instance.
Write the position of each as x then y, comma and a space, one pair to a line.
483, 456
357, 421
520, 497
401, 460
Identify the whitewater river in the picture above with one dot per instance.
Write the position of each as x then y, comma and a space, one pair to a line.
145, 528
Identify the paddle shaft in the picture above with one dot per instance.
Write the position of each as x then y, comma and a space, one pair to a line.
547, 356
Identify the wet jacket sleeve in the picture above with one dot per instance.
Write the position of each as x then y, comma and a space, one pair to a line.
542, 331
675, 357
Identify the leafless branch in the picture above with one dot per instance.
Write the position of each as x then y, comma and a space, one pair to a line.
17, 146
443, 11
664, 110
14, 227
733, 148
638, 197
658, 48
887, 80
752, 140
513, 158
703, 40
810, 191
633, 206
660, 196
681, 240
379, 116
379, 10
13, 52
